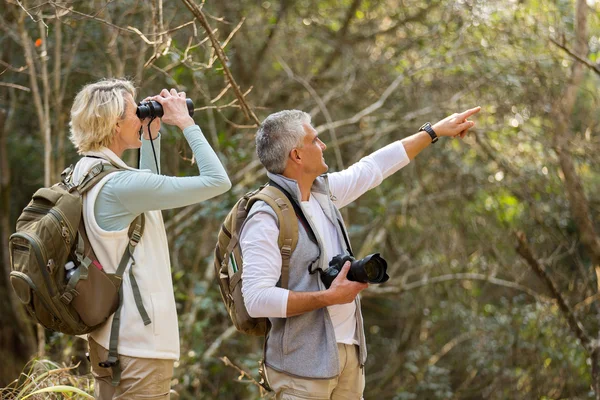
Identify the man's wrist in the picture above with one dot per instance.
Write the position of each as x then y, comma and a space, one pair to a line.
426, 127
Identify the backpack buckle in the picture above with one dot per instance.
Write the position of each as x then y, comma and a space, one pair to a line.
67, 298
135, 238
106, 364
286, 250
67, 174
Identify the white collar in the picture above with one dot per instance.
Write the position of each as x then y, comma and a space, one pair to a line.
108, 155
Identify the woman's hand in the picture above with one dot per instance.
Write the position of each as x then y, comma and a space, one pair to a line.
175, 111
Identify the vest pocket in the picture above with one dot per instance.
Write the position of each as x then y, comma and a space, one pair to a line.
159, 308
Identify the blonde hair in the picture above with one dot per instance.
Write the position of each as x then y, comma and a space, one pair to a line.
96, 110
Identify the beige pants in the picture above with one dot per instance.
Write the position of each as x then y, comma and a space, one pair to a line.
349, 385
141, 378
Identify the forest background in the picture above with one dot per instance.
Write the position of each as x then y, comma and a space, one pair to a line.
493, 242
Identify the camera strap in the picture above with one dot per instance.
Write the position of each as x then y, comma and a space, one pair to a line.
299, 213
345, 238
152, 143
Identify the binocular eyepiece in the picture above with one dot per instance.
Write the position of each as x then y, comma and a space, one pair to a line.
371, 269
153, 109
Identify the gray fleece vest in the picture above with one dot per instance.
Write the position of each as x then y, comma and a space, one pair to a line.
305, 345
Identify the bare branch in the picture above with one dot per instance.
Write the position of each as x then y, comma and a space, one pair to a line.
223, 58
524, 251
372, 290
15, 86
210, 352
366, 111
322, 107
243, 374
577, 57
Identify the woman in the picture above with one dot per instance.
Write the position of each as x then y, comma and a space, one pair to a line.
103, 125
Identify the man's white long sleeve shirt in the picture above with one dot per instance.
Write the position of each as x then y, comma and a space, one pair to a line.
262, 259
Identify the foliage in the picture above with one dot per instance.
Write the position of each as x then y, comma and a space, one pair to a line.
450, 214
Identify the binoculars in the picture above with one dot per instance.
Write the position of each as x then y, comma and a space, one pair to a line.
153, 109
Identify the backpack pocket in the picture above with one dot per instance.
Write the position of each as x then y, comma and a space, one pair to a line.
97, 296
35, 304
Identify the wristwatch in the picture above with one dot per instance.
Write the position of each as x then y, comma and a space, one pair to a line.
427, 128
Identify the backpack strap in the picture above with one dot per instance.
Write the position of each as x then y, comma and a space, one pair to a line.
136, 230
288, 225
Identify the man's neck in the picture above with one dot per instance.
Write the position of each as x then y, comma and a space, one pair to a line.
304, 183
305, 186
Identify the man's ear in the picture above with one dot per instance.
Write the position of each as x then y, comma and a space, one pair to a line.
295, 156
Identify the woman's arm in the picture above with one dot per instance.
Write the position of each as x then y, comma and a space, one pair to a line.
130, 193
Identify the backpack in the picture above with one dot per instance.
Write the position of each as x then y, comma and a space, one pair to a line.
49, 234
228, 262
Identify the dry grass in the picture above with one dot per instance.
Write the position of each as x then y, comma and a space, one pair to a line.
45, 379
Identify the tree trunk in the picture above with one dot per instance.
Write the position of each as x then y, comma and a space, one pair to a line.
17, 340
578, 202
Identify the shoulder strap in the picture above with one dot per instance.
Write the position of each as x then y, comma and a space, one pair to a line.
298, 211
288, 227
92, 177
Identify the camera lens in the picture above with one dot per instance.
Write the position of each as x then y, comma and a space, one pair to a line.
372, 269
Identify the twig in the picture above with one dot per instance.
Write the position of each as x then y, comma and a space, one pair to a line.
233, 32
15, 86
222, 57
210, 352
243, 374
31, 16
582, 60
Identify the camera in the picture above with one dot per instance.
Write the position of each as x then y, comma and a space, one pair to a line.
371, 269
153, 109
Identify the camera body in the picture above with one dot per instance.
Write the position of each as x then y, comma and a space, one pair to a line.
371, 269
153, 109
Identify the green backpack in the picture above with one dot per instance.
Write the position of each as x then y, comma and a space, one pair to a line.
49, 234
228, 261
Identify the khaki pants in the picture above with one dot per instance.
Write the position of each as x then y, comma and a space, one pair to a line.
349, 385
141, 378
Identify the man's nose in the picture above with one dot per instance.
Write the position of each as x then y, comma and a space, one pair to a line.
323, 145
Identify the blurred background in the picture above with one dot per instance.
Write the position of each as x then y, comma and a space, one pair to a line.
465, 315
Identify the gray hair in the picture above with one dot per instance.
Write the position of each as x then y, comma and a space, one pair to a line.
278, 134
96, 110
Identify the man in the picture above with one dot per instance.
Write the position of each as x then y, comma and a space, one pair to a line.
104, 125
316, 346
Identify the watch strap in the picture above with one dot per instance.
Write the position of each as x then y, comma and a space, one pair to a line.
427, 128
